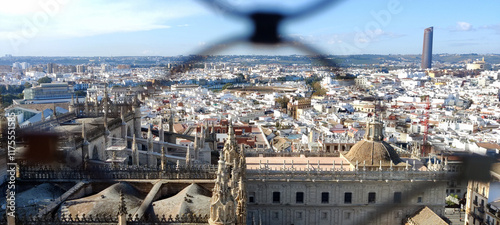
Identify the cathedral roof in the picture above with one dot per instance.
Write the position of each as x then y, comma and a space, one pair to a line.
192, 199
372, 153
427, 216
372, 150
106, 202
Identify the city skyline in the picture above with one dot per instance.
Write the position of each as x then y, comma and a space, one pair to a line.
166, 28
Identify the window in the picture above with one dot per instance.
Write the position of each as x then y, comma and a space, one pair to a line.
324, 215
325, 197
299, 215
275, 215
251, 197
371, 197
397, 197
419, 200
276, 197
299, 197
347, 198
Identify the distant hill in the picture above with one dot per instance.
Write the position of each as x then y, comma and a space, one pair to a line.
251, 60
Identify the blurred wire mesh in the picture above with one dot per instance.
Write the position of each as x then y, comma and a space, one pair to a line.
266, 32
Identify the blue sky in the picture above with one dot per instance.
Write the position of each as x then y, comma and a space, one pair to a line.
168, 27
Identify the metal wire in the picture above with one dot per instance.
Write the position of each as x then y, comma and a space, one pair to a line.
266, 24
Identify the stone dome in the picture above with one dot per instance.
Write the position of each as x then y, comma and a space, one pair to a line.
372, 153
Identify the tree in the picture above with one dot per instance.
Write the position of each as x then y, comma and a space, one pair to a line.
452, 200
80, 93
241, 77
45, 80
7, 99
281, 79
226, 86
317, 89
282, 101
27, 85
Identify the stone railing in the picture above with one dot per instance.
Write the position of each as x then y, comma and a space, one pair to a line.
292, 154
118, 172
111, 219
345, 174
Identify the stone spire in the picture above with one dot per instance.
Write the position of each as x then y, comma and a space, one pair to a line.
241, 203
86, 106
124, 126
228, 203
196, 144
230, 131
122, 115
137, 117
54, 112
160, 130
85, 146
135, 153
150, 133
171, 121
222, 207
230, 146
96, 105
71, 107
151, 159
106, 108
202, 139
188, 156
122, 210
84, 133
163, 161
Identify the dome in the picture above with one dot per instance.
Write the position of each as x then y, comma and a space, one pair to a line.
372, 153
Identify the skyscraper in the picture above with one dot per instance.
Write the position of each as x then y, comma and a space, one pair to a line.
50, 67
427, 49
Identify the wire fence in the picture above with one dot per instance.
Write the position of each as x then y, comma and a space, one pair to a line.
266, 31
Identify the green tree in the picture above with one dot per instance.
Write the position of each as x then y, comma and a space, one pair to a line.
282, 101
281, 79
80, 93
241, 77
7, 99
226, 86
45, 80
452, 200
317, 89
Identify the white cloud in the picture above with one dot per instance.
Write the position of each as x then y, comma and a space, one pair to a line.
494, 27
463, 26
79, 18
